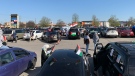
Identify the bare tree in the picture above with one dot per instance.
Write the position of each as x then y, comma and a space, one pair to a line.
60, 23
131, 21
45, 22
95, 21
113, 21
75, 17
30, 24
22, 25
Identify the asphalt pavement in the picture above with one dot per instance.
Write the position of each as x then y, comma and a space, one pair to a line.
36, 46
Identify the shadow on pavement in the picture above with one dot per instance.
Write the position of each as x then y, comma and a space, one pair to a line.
33, 72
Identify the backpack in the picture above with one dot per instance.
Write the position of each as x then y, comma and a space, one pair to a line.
86, 41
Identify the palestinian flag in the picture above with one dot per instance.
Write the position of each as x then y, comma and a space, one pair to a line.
78, 51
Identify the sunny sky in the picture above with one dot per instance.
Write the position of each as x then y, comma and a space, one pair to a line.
64, 9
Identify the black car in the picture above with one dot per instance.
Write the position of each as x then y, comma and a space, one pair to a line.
50, 36
74, 33
66, 62
118, 57
91, 31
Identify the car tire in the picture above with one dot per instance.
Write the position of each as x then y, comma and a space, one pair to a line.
29, 65
34, 63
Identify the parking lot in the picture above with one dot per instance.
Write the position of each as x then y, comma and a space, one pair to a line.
64, 44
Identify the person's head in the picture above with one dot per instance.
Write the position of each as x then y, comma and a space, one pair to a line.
45, 47
4, 43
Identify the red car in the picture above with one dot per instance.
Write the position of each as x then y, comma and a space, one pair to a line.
125, 32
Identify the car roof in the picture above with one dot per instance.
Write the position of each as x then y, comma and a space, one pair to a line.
128, 47
68, 63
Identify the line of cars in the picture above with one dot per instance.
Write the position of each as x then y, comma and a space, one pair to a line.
22, 33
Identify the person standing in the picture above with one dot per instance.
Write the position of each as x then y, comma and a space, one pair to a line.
31, 35
58, 36
1, 38
95, 39
87, 41
14, 36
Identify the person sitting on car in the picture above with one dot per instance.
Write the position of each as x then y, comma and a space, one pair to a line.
44, 54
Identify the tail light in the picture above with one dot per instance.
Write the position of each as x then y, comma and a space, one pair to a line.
70, 33
120, 74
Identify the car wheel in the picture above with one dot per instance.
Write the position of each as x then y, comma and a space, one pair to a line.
47, 40
34, 63
17, 38
29, 65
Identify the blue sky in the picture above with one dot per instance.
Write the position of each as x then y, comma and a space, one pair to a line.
64, 9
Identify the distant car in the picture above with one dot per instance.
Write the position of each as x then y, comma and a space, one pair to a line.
26, 35
119, 58
19, 33
8, 33
50, 36
66, 62
74, 33
37, 34
56, 29
14, 61
125, 32
110, 32
91, 31
82, 31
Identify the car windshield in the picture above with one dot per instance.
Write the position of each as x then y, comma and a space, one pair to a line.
7, 32
131, 67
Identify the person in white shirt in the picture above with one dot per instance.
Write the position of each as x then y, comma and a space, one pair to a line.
1, 38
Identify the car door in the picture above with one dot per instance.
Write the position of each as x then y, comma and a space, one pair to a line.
22, 57
8, 65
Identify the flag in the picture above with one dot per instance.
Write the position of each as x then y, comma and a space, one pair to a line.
15, 20
78, 51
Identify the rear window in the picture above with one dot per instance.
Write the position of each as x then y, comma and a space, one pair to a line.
125, 28
111, 29
56, 28
131, 67
7, 32
93, 29
73, 30
19, 31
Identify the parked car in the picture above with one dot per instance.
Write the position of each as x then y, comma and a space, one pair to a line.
37, 34
26, 35
110, 32
74, 33
82, 31
56, 29
50, 36
14, 61
91, 31
119, 58
8, 33
66, 62
125, 32
20, 33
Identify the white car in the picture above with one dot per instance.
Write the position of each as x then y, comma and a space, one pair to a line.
36, 33
111, 32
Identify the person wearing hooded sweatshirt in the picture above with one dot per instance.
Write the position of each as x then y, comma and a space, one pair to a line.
95, 39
